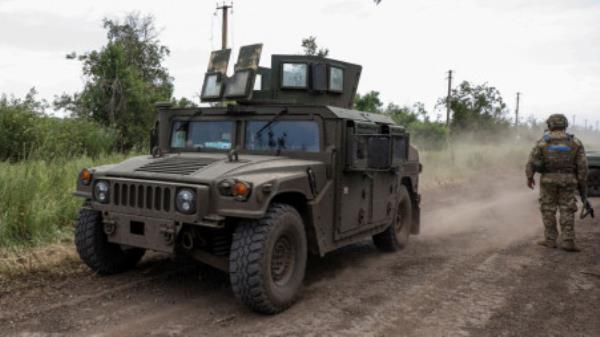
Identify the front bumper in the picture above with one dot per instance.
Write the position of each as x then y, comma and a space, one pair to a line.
143, 232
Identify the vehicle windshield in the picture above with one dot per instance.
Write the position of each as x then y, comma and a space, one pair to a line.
214, 135
283, 136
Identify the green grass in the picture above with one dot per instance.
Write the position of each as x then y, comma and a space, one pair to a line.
37, 205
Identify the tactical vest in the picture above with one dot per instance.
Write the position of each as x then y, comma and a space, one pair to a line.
559, 154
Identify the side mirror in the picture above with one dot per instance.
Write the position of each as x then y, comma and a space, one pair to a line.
379, 152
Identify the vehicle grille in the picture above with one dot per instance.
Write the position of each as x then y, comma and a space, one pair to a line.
142, 196
176, 165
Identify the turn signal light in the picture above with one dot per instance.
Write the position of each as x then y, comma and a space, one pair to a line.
85, 176
241, 190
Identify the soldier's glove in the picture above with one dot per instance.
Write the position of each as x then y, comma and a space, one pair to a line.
531, 183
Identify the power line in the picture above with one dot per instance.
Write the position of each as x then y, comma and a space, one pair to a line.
517, 110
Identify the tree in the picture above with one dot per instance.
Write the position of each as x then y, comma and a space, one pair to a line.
476, 108
406, 115
123, 80
311, 48
183, 102
426, 134
369, 102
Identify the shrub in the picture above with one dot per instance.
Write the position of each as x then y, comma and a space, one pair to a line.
25, 132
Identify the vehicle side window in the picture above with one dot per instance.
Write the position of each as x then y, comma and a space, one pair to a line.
399, 151
294, 75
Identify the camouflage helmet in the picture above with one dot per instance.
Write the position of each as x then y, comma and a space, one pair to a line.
557, 122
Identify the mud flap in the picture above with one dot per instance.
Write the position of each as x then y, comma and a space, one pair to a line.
416, 215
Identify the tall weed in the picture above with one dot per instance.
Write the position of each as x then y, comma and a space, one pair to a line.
36, 198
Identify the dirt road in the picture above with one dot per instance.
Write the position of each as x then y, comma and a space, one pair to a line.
473, 272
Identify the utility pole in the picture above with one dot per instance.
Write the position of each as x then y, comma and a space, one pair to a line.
517, 110
448, 98
574, 120
225, 11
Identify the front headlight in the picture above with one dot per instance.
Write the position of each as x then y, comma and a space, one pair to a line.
186, 201
101, 192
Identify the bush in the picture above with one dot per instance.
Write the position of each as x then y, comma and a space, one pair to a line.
429, 135
25, 132
66, 138
36, 198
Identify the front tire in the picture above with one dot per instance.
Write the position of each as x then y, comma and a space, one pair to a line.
268, 260
395, 237
102, 256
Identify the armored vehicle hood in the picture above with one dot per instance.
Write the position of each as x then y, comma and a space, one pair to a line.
204, 167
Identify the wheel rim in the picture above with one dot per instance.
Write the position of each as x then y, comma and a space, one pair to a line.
283, 260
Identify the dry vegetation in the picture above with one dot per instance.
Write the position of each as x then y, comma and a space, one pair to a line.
462, 161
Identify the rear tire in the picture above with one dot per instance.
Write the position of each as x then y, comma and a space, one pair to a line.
395, 237
102, 256
268, 260
594, 183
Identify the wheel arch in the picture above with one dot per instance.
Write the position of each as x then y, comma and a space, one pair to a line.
299, 201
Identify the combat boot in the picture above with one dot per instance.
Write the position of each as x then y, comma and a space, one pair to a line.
547, 243
569, 246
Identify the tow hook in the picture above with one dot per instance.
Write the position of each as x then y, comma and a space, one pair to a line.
110, 227
168, 233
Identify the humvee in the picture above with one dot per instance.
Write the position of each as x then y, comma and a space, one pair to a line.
278, 167
594, 175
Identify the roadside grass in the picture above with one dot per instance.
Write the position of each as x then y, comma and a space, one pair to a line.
37, 205
37, 265
37, 210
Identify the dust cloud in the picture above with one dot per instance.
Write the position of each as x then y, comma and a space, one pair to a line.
503, 212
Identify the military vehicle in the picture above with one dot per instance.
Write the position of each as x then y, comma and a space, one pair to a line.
594, 175
278, 167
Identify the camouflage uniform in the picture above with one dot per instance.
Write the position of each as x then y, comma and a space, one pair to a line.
561, 160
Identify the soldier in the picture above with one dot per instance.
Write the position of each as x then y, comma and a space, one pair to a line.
560, 159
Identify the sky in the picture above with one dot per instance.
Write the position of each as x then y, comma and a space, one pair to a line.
548, 50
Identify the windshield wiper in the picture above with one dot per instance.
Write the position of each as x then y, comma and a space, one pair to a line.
270, 122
